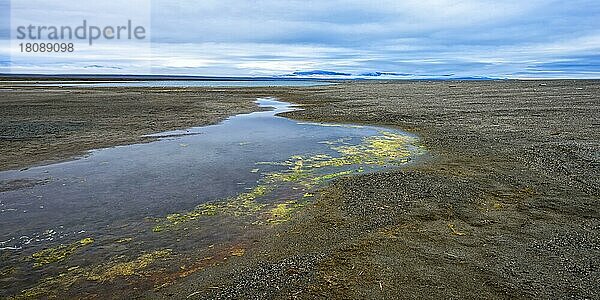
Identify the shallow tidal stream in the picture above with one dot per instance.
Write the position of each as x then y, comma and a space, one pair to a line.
145, 215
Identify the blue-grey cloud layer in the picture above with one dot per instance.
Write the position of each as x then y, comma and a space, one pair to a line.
536, 38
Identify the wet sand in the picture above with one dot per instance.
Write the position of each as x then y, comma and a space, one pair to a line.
506, 206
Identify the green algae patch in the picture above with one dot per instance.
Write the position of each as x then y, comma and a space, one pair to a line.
59, 253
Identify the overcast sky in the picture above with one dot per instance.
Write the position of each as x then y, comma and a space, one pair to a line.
534, 38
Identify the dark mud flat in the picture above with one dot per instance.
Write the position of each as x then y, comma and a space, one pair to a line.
505, 207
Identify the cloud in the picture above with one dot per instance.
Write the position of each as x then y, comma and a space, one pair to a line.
466, 38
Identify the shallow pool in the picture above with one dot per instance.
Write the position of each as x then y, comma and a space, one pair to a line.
177, 197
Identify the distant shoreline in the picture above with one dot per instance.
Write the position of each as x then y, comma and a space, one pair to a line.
102, 77
119, 77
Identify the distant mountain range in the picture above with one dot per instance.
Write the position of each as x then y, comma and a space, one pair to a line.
377, 74
383, 75
319, 72
334, 73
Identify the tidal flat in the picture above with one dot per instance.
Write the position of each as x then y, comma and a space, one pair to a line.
503, 205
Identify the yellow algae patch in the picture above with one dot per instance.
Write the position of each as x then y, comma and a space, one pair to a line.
378, 150
297, 170
304, 173
238, 252
243, 204
282, 212
59, 253
386, 148
127, 268
49, 286
256, 192
5, 272
333, 175
455, 231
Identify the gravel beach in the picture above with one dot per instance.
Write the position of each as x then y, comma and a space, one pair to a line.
504, 206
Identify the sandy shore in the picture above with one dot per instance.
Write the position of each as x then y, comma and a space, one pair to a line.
506, 206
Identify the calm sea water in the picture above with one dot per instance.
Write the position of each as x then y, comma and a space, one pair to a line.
188, 83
